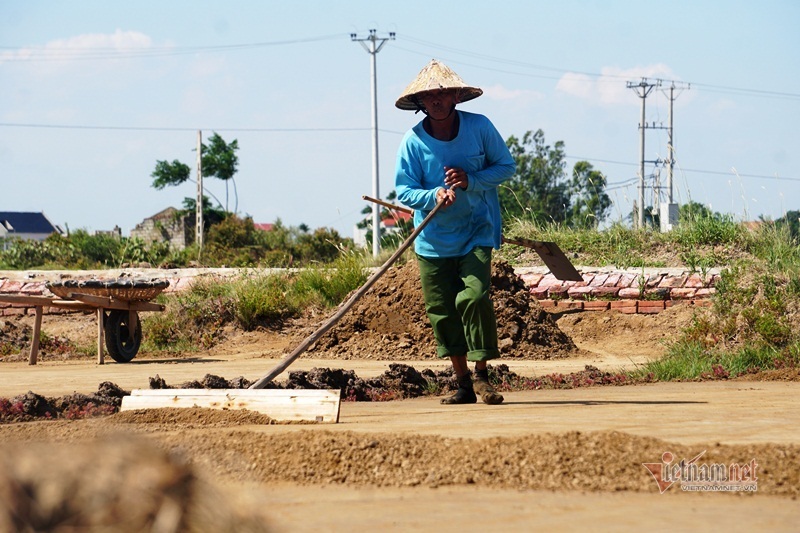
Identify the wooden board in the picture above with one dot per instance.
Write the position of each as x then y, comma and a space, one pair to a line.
278, 404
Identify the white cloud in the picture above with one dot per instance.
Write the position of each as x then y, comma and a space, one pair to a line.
610, 87
79, 47
498, 92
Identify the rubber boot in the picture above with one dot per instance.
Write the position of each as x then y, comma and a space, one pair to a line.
464, 394
485, 389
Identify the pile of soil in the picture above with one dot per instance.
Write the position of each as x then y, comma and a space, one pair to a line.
389, 322
573, 460
112, 484
32, 406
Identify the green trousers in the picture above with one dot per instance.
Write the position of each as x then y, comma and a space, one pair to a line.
456, 292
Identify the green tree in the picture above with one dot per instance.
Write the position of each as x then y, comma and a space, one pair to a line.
537, 189
218, 159
590, 203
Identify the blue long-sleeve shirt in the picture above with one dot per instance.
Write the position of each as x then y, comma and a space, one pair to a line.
474, 218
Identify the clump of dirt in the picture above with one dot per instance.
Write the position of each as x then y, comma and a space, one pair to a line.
390, 323
32, 406
209, 381
115, 484
402, 381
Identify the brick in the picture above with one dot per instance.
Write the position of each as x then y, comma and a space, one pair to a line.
566, 305
605, 292
654, 281
587, 278
645, 304
682, 294
612, 280
35, 288
622, 305
10, 311
13, 286
626, 280
628, 292
705, 293
595, 305
548, 280
670, 282
598, 280
579, 293
549, 305
695, 281
539, 293
557, 292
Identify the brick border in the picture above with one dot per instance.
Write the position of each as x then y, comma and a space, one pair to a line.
599, 290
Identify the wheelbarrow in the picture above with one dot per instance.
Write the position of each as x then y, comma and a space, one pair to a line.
116, 303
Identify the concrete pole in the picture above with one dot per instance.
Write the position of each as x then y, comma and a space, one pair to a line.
640, 223
376, 216
198, 228
670, 145
375, 45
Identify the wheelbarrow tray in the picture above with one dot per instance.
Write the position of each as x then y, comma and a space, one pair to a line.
131, 290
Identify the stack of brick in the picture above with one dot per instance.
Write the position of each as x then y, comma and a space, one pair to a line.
625, 291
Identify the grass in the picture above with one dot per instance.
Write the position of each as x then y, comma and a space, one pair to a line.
753, 325
198, 316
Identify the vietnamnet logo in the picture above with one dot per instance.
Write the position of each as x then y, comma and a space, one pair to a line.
694, 476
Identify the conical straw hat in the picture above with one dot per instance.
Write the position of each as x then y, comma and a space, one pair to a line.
433, 76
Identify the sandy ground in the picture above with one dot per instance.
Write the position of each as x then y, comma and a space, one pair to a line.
548, 459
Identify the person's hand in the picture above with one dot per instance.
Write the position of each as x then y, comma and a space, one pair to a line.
455, 177
448, 195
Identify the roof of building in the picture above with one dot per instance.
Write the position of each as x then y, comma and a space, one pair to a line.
21, 222
395, 217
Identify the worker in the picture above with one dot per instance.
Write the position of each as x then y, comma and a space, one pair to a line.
459, 159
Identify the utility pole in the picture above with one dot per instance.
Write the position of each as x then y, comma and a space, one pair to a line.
670, 140
642, 89
198, 226
374, 46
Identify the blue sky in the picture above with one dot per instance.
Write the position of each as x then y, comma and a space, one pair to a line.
95, 92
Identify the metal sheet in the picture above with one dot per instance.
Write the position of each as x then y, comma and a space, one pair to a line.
558, 263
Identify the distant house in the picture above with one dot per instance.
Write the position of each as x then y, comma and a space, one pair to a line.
264, 226
389, 224
26, 226
166, 226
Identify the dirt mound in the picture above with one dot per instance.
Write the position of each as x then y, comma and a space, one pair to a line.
121, 484
390, 323
573, 460
192, 417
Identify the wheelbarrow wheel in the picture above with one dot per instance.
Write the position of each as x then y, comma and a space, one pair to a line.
122, 339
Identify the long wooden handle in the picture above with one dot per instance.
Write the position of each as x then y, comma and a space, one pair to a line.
387, 204
311, 339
